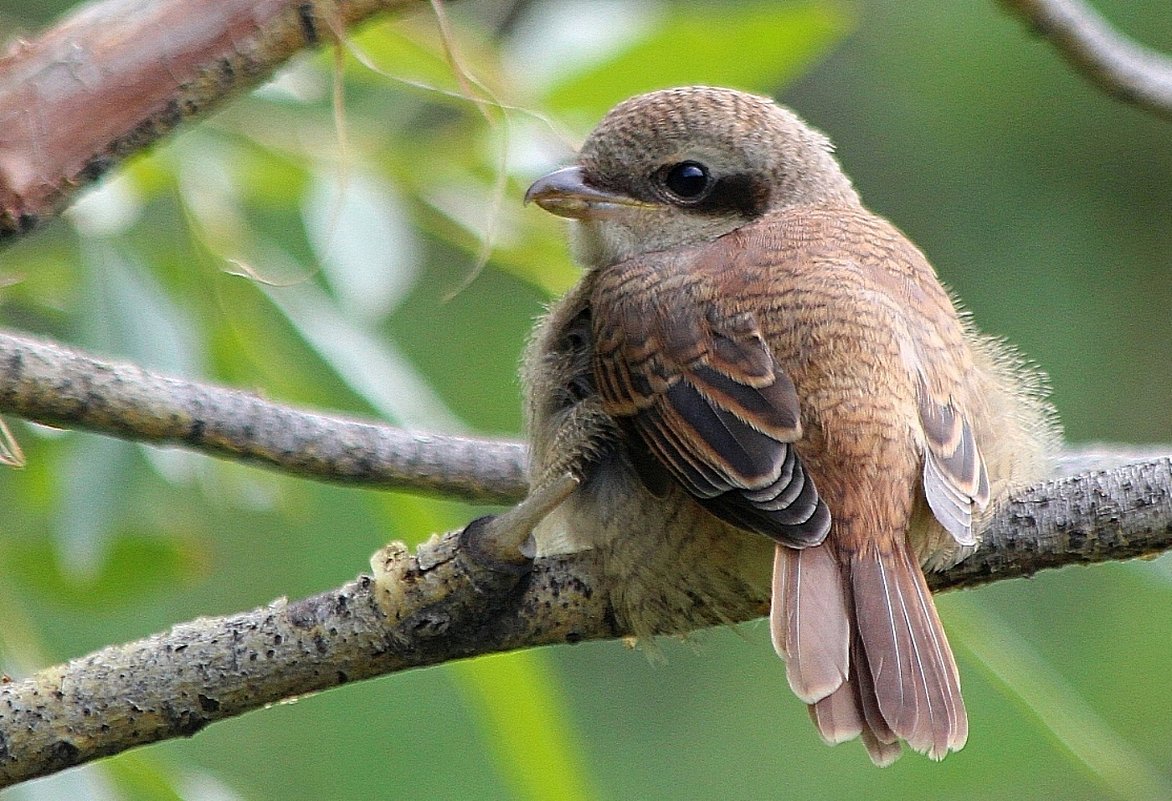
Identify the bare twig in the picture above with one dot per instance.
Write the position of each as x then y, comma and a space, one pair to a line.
50, 384
1129, 71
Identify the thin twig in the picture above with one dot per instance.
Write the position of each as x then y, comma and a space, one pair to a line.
58, 386
50, 384
1125, 69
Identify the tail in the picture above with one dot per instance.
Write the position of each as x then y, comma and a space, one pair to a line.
864, 647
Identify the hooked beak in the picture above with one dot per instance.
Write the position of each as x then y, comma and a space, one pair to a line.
565, 193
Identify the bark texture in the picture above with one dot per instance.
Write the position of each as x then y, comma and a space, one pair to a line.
117, 75
451, 600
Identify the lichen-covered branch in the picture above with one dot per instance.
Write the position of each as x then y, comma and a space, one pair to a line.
1129, 71
50, 384
451, 600
424, 610
1123, 512
116, 75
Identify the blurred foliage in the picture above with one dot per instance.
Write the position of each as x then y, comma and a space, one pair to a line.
329, 257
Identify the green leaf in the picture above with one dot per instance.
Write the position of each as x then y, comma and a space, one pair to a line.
748, 46
140, 776
361, 234
408, 50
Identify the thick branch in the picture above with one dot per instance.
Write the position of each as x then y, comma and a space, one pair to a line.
117, 75
450, 600
446, 602
1127, 70
49, 384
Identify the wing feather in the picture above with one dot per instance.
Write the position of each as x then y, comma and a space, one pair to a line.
708, 401
956, 481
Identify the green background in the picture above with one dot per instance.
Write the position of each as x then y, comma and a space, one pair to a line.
1043, 203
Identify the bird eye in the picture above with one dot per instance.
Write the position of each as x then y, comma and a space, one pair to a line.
687, 180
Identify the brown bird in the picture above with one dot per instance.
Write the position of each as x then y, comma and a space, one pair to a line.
754, 362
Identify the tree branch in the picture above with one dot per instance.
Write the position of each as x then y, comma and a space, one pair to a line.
452, 600
117, 75
50, 384
58, 386
1126, 70
458, 596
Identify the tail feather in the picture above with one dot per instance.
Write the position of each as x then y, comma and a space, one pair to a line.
883, 754
864, 648
867, 700
914, 677
809, 620
852, 711
838, 716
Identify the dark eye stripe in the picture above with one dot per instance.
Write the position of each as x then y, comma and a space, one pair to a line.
741, 193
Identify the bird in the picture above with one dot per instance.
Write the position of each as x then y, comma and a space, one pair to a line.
770, 402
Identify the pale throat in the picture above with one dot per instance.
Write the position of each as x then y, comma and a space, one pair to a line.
601, 243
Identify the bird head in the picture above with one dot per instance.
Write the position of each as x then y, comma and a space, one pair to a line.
683, 166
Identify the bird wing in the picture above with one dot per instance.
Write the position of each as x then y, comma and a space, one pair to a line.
703, 395
955, 478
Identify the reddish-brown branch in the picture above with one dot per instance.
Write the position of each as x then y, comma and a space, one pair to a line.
116, 75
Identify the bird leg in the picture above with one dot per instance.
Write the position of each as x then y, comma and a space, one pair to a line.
507, 538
